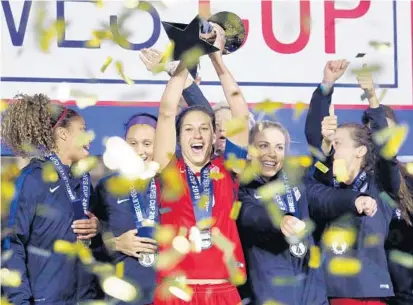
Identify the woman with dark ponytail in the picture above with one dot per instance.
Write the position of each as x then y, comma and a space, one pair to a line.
34, 128
401, 228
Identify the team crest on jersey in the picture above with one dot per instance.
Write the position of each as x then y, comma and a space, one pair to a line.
298, 250
339, 248
147, 259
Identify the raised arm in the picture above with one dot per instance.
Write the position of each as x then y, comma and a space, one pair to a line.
388, 170
192, 94
233, 94
321, 101
165, 135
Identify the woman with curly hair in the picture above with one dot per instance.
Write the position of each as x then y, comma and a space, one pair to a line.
32, 124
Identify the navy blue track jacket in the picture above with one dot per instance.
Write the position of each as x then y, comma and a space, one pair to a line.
268, 255
116, 216
40, 214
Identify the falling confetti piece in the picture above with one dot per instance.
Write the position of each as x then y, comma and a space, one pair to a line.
10, 278
272, 302
131, 4
360, 55
299, 108
49, 173
234, 164
119, 68
191, 57
7, 191
64, 247
106, 64
268, 106
83, 99
252, 170
118, 186
4, 301
382, 95
372, 240
284, 281
168, 259
164, 235
303, 161
368, 69
181, 291
392, 147
3, 105
340, 170
103, 269
339, 235
120, 269
269, 190
380, 46
318, 154
344, 266
99, 3
236, 207
119, 289
402, 258
235, 126
216, 175
222, 242
253, 152
206, 223
84, 166
203, 201
315, 257
171, 189
409, 168
85, 138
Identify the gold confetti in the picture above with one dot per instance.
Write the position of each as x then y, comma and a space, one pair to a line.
106, 64
64, 247
340, 170
103, 269
303, 161
99, 3
206, 223
284, 281
181, 291
7, 191
268, 106
344, 266
401, 258
119, 68
118, 186
169, 258
339, 235
366, 69
382, 95
3, 105
120, 269
253, 152
409, 168
235, 164
4, 301
85, 138
222, 242
315, 257
299, 108
380, 46
391, 148
60, 27
321, 167
49, 173
10, 278
253, 169
173, 190
372, 240
235, 126
202, 204
216, 175
318, 154
84, 253
191, 57
164, 235
269, 190
119, 289
84, 166
272, 302
236, 207
131, 4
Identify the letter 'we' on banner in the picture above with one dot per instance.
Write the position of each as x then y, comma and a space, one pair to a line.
287, 44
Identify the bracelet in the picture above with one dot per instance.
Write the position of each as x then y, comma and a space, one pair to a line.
326, 87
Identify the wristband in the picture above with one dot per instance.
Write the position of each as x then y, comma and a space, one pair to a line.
326, 87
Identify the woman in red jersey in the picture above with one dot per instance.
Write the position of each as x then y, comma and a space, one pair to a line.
206, 273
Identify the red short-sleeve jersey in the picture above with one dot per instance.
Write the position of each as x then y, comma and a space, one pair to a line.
209, 263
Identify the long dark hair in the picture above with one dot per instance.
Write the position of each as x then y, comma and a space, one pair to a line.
405, 197
29, 123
